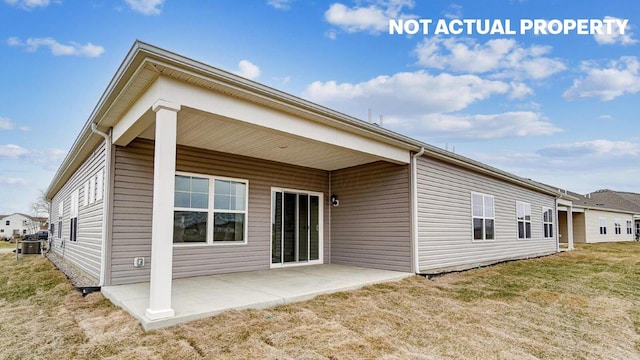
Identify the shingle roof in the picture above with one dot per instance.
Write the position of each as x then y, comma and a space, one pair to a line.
615, 200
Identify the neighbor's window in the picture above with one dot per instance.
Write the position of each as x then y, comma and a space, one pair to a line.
209, 209
523, 212
603, 226
8, 222
547, 222
617, 227
483, 216
629, 227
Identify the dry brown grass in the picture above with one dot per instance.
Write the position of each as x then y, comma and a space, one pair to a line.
583, 304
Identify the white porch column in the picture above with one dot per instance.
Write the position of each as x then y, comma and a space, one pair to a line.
570, 227
164, 169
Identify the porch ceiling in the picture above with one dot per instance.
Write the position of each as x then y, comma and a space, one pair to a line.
214, 132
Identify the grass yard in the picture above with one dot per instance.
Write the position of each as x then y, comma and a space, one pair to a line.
6, 245
574, 305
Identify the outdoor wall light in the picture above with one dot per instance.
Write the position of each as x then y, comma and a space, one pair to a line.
334, 200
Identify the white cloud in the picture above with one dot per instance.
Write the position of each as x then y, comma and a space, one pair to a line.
454, 11
519, 90
12, 151
620, 77
606, 117
28, 4
406, 94
5, 124
247, 69
280, 4
615, 37
13, 181
598, 148
331, 34
500, 58
146, 7
478, 126
423, 106
56, 48
373, 18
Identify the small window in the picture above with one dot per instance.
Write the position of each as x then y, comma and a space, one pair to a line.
483, 216
1, 230
24, 232
24, 223
8, 222
629, 227
60, 213
617, 227
603, 226
523, 213
547, 222
73, 221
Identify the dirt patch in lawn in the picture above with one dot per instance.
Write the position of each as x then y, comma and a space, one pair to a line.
574, 305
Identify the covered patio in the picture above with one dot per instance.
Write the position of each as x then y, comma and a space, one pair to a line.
204, 296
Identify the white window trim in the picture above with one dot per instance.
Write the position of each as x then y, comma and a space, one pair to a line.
603, 224
617, 226
524, 221
629, 227
210, 211
484, 233
320, 228
552, 222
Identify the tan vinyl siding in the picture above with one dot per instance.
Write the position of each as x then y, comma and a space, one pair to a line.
579, 228
592, 220
372, 225
85, 253
445, 225
133, 193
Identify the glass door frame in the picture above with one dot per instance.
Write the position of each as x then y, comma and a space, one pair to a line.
320, 227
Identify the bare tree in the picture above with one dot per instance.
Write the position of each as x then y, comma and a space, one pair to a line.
39, 209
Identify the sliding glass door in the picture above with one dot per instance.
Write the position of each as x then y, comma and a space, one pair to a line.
295, 227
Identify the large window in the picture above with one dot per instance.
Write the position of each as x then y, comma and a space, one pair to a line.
617, 226
629, 227
523, 211
547, 222
483, 216
603, 226
209, 210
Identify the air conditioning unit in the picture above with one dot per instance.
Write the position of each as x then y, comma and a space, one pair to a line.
30, 247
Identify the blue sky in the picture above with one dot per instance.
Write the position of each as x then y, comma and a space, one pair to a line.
561, 109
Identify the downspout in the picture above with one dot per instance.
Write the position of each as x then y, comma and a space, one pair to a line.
414, 208
106, 200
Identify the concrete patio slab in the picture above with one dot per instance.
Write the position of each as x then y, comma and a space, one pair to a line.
204, 296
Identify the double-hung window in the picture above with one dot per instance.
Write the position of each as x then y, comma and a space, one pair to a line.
483, 216
629, 227
523, 213
209, 210
547, 222
603, 226
617, 226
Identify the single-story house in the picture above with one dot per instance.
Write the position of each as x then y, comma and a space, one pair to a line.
18, 224
185, 170
600, 216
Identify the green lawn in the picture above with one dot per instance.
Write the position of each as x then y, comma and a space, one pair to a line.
583, 304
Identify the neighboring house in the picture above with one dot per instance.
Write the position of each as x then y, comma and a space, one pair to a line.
246, 177
18, 224
600, 216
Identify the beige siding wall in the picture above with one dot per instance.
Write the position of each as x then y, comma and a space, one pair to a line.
592, 227
578, 228
85, 253
445, 223
133, 208
372, 225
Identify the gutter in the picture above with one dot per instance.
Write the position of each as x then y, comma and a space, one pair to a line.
414, 209
106, 200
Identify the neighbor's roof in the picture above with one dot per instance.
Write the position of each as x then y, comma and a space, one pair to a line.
610, 199
25, 215
131, 80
